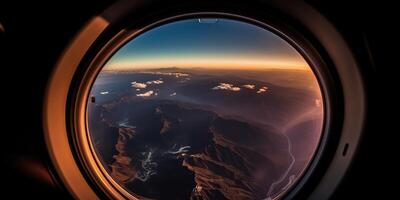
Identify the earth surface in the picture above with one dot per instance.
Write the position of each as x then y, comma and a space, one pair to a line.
205, 134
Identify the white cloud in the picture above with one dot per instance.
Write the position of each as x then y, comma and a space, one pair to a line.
262, 90
176, 74
173, 94
249, 86
226, 86
155, 82
138, 85
146, 94
104, 92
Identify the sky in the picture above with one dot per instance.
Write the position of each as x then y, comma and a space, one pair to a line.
207, 43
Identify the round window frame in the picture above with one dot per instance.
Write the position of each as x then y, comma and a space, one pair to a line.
94, 186
83, 133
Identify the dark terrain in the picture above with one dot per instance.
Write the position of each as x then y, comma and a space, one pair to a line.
177, 135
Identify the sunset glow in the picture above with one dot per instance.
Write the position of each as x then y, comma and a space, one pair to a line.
217, 63
225, 44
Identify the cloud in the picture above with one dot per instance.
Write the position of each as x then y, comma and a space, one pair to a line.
262, 90
146, 94
138, 85
104, 92
176, 74
226, 86
155, 82
249, 86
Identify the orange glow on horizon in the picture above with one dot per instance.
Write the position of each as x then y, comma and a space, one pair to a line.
236, 64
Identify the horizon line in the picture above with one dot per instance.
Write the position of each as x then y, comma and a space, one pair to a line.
298, 68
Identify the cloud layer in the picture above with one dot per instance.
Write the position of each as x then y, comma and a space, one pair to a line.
226, 86
138, 85
176, 74
262, 90
146, 94
249, 86
157, 82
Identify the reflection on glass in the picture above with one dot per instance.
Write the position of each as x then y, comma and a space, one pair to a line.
206, 109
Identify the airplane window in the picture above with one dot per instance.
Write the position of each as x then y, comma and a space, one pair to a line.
206, 109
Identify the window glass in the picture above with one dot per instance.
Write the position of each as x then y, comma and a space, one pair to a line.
206, 109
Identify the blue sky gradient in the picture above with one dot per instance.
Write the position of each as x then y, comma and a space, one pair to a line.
224, 43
